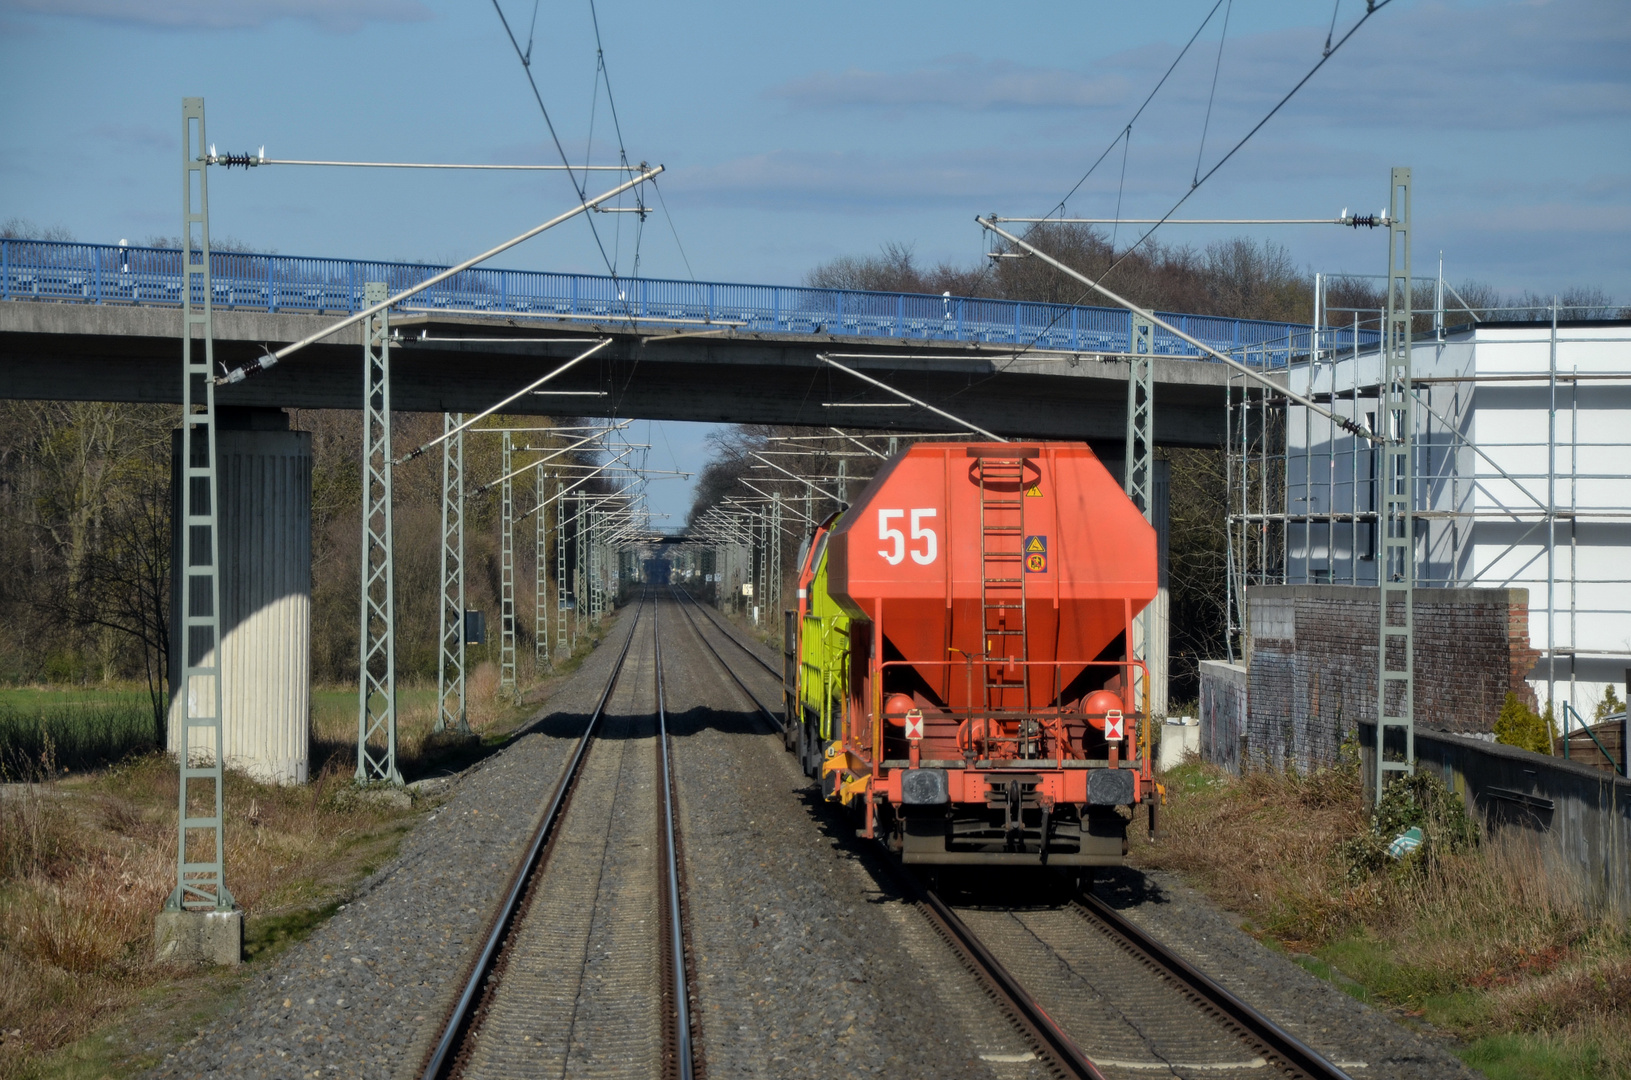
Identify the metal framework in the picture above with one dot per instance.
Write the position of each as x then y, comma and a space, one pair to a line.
540, 572
1138, 467
376, 674
1517, 434
597, 570
563, 642
1396, 640
200, 857
580, 553
506, 570
451, 708
773, 590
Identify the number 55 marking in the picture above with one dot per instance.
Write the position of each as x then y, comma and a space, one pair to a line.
919, 532
895, 556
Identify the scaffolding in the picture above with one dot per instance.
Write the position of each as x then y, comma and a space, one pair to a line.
1520, 433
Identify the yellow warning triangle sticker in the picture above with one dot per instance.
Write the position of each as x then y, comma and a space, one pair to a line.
1034, 491
1035, 543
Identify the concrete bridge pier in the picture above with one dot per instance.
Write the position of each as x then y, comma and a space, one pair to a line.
264, 477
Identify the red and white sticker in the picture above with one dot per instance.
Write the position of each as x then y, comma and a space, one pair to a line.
914, 726
1113, 726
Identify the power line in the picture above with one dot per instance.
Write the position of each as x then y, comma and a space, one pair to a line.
1216, 67
1140, 112
603, 75
526, 66
670, 219
1371, 8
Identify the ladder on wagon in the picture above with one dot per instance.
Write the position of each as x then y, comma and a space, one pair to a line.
1002, 580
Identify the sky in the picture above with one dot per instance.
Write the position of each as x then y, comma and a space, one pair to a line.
792, 134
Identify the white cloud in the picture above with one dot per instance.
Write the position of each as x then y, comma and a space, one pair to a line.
1522, 64
342, 16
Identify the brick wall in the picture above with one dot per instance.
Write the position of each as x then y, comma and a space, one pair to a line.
1312, 665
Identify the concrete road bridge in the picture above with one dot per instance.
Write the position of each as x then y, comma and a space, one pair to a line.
101, 322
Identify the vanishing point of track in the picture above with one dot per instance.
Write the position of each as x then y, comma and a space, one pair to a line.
1275, 1051
540, 992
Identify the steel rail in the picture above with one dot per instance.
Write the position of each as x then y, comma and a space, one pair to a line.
445, 1055
1273, 1039
677, 1020
1034, 1022
775, 724
1023, 1009
1027, 1013
761, 661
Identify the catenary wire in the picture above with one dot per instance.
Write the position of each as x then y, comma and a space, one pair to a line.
605, 76
1371, 9
1216, 67
1140, 111
526, 66
1121, 186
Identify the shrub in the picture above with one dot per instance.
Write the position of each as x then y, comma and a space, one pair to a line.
1608, 706
1419, 800
1520, 726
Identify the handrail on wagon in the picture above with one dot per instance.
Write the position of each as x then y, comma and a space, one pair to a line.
1140, 716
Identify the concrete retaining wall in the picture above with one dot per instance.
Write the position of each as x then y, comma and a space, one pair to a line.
1223, 713
1579, 816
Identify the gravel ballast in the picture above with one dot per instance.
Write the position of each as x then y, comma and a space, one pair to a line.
806, 964
806, 961
1362, 1039
365, 994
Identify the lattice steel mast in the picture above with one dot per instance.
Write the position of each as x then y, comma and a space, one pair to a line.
376, 675
563, 645
1395, 662
774, 582
200, 866
506, 571
540, 574
451, 711
1138, 471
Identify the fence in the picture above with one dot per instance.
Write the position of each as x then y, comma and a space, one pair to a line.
113, 274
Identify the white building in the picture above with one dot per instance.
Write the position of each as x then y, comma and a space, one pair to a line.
1523, 480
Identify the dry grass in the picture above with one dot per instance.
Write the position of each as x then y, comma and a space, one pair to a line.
1489, 944
88, 861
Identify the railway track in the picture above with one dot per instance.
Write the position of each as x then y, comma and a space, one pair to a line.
584, 963
1154, 1014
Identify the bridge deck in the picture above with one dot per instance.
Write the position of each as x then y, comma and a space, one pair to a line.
96, 322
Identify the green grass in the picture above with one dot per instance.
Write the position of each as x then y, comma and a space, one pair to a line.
1532, 1057
74, 728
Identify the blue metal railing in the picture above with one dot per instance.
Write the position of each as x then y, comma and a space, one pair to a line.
111, 274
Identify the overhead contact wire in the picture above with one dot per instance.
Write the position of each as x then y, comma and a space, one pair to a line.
526, 67
1216, 67
1329, 52
1140, 111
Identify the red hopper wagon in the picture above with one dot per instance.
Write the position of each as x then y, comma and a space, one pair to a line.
972, 685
